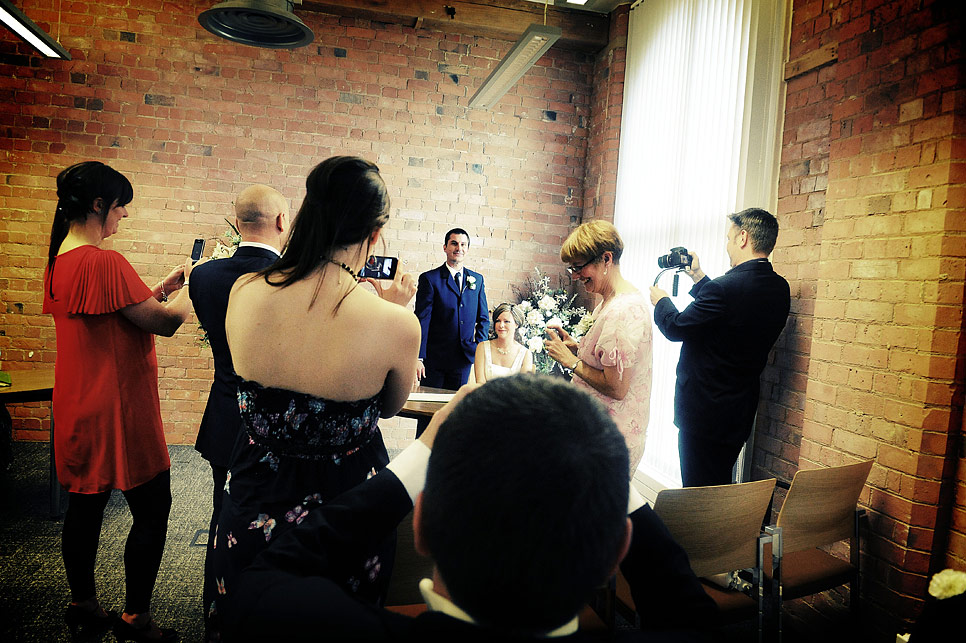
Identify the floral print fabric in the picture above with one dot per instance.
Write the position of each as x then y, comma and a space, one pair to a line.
296, 452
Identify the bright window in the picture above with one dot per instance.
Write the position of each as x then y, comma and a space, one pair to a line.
699, 138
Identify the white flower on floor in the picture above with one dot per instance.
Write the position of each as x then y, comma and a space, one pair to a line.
947, 583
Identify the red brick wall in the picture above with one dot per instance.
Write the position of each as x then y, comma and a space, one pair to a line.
872, 364
192, 119
607, 102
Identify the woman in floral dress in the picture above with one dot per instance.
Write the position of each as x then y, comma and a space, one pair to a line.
320, 361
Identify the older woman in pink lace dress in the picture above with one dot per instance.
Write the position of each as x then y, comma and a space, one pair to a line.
613, 360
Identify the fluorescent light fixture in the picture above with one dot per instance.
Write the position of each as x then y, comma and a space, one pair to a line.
24, 27
580, 2
536, 40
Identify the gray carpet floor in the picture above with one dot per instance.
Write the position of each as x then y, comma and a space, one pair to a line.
33, 587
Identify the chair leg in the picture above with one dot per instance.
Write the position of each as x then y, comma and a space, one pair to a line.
775, 594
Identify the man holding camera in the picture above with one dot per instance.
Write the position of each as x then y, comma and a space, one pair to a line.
727, 333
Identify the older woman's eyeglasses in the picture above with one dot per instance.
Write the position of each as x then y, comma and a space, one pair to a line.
573, 270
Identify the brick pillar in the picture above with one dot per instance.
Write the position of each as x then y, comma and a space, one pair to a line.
607, 101
885, 373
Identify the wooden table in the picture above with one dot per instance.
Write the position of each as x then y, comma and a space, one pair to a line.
423, 410
37, 385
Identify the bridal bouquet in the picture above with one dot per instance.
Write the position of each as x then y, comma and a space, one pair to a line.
542, 306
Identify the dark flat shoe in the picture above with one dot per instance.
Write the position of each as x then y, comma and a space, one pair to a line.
124, 631
83, 622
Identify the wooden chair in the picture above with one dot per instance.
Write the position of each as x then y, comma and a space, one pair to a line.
408, 569
720, 529
820, 509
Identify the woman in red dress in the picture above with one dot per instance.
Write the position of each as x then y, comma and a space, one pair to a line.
107, 418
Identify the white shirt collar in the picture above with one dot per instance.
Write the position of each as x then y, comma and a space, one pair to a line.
437, 603
453, 271
257, 244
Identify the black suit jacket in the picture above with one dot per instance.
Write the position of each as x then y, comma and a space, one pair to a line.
209, 287
727, 332
288, 592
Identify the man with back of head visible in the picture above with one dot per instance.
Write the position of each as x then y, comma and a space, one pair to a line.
262, 218
727, 333
523, 508
451, 307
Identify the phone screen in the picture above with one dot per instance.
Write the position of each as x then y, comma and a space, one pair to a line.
197, 250
380, 267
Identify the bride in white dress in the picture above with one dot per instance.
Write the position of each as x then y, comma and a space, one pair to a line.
503, 355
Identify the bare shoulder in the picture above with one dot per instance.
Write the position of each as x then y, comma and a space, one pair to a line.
403, 320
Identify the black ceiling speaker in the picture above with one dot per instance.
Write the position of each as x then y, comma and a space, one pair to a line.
260, 23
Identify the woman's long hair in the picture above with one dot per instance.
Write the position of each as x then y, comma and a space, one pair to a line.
78, 187
345, 201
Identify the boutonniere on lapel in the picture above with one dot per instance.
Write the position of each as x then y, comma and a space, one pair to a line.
471, 282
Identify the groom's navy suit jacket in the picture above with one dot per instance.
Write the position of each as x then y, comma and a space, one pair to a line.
290, 591
452, 323
209, 287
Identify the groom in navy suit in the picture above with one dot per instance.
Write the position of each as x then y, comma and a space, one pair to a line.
451, 306
261, 216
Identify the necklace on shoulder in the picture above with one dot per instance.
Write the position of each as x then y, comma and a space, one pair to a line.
346, 268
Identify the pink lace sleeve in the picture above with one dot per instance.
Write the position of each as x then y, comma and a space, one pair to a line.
625, 335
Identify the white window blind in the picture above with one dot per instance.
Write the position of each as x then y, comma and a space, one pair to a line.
699, 136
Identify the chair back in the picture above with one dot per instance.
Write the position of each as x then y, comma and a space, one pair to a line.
717, 526
408, 569
820, 506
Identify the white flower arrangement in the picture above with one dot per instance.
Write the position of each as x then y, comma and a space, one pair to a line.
471, 282
535, 344
947, 583
542, 306
224, 250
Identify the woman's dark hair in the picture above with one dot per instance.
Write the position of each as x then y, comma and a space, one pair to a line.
77, 188
345, 201
506, 307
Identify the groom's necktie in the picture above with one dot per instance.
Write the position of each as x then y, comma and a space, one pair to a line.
459, 286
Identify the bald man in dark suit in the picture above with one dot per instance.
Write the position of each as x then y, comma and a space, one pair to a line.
262, 218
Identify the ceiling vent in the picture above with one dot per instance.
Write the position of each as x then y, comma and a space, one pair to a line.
260, 23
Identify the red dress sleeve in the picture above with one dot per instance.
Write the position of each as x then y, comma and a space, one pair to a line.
104, 283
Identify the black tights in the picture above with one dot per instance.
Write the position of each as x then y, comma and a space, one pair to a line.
149, 504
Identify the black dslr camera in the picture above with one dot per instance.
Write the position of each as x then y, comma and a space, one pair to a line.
676, 258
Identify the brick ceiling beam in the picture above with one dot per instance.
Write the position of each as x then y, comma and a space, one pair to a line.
503, 19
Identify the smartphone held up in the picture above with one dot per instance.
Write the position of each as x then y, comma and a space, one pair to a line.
379, 268
197, 250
